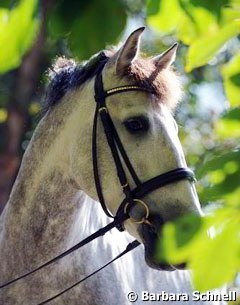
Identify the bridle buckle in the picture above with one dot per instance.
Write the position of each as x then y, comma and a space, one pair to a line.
144, 218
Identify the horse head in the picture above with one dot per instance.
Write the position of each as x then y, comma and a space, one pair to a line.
141, 112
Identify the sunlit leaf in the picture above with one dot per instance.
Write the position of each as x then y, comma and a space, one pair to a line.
219, 190
205, 48
187, 19
223, 176
190, 20
213, 6
235, 3
3, 115
194, 23
233, 198
213, 244
231, 80
228, 126
220, 254
178, 239
18, 28
228, 129
168, 16
218, 162
230, 13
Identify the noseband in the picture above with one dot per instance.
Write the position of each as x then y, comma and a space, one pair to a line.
132, 196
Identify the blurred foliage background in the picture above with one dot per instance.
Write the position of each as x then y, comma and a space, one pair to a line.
33, 33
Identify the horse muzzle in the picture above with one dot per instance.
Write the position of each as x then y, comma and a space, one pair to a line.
150, 232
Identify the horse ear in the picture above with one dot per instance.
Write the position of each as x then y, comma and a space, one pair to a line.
165, 59
128, 51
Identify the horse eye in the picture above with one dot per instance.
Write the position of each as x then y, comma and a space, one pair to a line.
137, 124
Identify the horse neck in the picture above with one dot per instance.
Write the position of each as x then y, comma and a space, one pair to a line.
39, 215
44, 203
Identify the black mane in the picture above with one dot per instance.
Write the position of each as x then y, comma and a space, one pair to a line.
69, 76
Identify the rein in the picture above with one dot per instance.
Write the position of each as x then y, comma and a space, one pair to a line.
132, 196
82, 243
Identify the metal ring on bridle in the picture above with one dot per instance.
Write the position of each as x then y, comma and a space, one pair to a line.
143, 219
103, 109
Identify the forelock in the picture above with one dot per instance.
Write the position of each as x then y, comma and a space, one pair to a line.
67, 74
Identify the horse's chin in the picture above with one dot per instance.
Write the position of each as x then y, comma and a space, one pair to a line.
150, 240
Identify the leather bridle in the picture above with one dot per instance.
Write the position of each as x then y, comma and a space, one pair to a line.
132, 196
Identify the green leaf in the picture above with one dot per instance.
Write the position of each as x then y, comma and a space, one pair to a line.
186, 228
213, 6
223, 176
204, 25
228, 126
14, 24
227, 129
233, 198
232, 114
195, 22
188, 19
230, 13
163, 20
228, 184
178, 239
62, 16
220, 253
152, 7
205, 48
87, 27
5, 3
214, 244
235, 79
218, 162
231, 80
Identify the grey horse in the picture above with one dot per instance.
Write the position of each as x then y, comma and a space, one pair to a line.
54, 204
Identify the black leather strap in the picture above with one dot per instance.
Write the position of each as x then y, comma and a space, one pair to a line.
124, 155
100, 232
131, 246
117, 150
114, 143
95, 165
172, 176
152, 184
